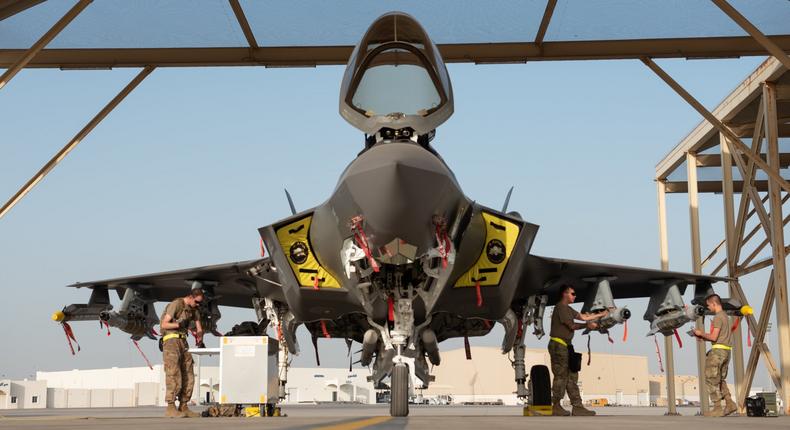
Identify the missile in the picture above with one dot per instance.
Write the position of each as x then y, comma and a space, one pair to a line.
674, 319
137, 327
616, 316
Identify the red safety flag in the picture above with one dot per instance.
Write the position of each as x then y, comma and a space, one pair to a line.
70, 336
479, 294
625, 330
390, 309
658, 352
677, 336
323, 329
148, 362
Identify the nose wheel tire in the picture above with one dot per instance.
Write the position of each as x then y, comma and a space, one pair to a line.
399, 391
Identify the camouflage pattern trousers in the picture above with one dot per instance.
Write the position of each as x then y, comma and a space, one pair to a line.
717, 362
179, 373
564, 379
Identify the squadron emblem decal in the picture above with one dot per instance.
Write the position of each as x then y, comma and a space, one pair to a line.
298, 252
495, 251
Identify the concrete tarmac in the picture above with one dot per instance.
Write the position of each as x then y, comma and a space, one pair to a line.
332, 417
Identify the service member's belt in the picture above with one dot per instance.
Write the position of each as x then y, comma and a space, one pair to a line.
720, 346
173, 336
560, 341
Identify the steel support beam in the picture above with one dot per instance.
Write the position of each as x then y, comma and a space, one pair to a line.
742, 240
753, 31
747, 184
9, 8
43, 41
544, 22
696, 264
663, 242
243, 23
733, 139
733, 244
307, 56
74, 141
777, 243
759, 339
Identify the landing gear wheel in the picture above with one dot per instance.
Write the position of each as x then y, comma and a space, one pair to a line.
539, 386
399, 391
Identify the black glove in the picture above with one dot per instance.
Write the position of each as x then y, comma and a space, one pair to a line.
183, 324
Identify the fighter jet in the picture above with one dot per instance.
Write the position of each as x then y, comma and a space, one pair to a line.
398, 258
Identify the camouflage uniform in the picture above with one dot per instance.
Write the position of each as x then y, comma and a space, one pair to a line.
179, 371
564, 379
717, 361
562, 327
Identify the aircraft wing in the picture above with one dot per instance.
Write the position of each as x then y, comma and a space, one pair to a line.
232, 283
549, 274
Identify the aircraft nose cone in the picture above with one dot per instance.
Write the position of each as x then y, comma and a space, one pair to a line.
397, 188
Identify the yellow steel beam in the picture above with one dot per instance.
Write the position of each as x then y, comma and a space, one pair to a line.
663, 243
74, 141
732, 138
544, 22
301, 56
243, 23
28, 55
753, 31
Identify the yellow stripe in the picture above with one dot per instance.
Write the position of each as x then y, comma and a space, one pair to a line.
560, 341
173, 336
356, 424
720, 346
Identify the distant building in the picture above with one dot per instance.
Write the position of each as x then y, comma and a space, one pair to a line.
23, 394
619, 379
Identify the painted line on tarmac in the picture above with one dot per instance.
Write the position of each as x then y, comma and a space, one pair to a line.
358, 424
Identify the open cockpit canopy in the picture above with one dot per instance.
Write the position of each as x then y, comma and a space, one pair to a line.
396, 79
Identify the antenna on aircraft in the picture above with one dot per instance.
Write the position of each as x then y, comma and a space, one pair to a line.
507, 199
290, 201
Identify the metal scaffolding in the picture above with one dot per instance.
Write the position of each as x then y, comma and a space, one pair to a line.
757, 111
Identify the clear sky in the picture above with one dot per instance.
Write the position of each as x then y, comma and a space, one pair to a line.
186, 169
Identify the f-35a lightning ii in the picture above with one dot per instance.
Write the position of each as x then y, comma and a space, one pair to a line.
398, 258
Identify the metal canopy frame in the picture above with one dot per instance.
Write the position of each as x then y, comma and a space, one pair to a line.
724, 127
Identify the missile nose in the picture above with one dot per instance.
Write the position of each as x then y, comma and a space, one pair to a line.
58, 316
626, 314
746, 310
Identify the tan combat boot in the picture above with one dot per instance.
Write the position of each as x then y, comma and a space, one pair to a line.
581, 411
729, 407
716, 410
558, 411
185, 412
172, 412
